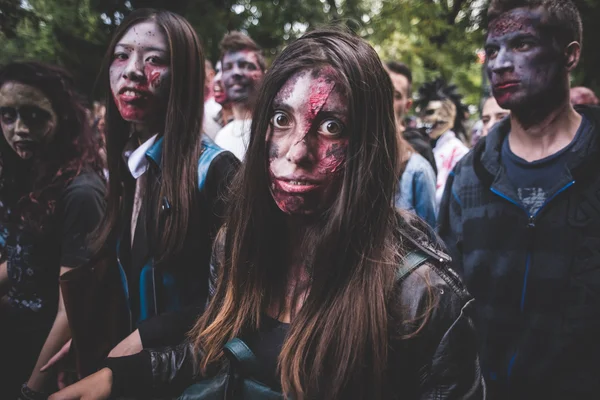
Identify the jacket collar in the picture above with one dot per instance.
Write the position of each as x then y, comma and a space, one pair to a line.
154, 153
487, 152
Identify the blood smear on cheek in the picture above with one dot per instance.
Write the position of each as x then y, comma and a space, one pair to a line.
334, 158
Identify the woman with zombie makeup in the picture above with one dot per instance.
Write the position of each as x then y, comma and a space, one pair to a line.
167, 182
165, 199
51, 198
315, 271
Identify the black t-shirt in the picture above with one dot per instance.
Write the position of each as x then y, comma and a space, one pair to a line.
534, 181
34, 258
266, 345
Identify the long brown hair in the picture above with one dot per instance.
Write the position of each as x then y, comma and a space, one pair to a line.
182, 132
337, 345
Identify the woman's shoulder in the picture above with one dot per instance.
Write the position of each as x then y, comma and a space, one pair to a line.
431, 292
215, 163
84, 183
86, 190
418, 164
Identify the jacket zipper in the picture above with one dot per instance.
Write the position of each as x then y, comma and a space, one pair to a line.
530, 225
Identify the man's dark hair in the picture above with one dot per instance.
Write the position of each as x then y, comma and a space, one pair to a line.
400, 68
237, 41
564, 18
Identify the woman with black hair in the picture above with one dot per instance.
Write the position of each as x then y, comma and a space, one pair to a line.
51, 199
167, 182
322, 290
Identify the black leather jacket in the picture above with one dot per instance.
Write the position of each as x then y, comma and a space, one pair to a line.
441, 362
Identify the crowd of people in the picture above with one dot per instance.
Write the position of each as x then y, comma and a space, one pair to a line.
287, 231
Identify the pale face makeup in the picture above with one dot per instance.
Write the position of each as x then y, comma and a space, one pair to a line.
140, 73
27, 118
491, 114
307, 142
241, 75
438, 117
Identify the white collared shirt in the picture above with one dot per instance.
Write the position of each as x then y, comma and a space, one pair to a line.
136, 159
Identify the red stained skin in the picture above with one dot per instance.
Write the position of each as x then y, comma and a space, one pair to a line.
145, 106
303, 150
509, 23
141, 65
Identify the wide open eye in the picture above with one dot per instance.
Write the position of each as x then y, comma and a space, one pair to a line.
331, 127
280, 120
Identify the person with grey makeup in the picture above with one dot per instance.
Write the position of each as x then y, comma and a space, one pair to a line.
521, 212
243, 67
51, 199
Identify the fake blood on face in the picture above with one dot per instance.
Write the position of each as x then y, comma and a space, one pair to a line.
523, 62
307, 145
140, 74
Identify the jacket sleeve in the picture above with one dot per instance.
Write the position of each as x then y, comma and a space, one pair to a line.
454, 372
450, 222
155, 372
424, 195
169, 328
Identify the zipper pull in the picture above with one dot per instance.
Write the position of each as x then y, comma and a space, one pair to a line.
531, 223
165, 207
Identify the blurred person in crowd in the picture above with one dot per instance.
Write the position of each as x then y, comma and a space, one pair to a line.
243, 68
416, 191
401, 77
491, 114
582, 95
285, 285
521, 214
225, 115
212, 108
442, 114
209, 75
167, 182
51, 199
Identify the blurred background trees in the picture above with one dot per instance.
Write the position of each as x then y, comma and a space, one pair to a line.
434, 37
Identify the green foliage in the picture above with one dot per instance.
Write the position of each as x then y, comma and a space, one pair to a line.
434, 37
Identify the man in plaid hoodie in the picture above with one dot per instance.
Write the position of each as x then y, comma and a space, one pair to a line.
521, 212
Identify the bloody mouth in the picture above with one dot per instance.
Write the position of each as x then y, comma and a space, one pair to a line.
296, 186
506, 85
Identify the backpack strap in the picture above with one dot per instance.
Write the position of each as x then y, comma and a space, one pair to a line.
210, 151
412, 261
240, 355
